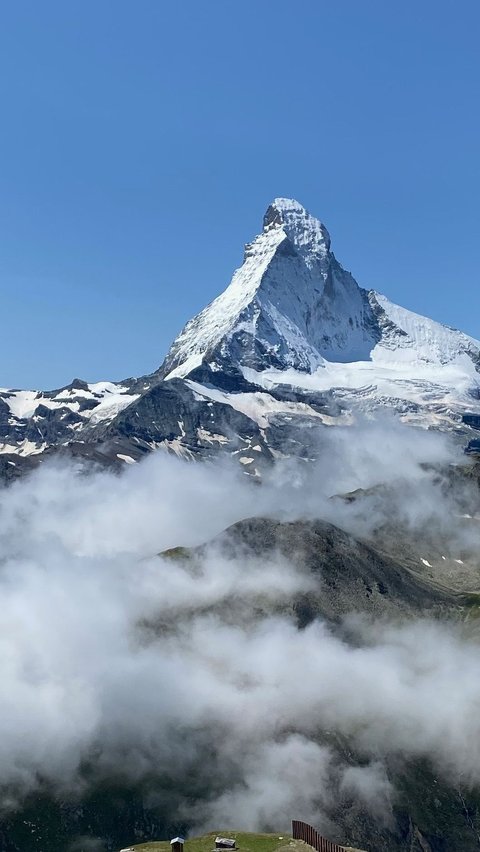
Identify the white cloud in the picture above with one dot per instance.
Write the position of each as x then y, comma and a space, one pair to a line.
150, 663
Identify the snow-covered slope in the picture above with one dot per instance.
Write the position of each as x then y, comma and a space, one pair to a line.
409, 337
292, 305
289, 305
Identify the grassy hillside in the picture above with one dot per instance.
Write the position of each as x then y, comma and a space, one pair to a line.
246, 842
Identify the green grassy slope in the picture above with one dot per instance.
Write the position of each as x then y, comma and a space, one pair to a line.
246, 842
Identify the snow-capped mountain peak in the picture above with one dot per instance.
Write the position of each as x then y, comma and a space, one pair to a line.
309, 236
290, 304
293, 342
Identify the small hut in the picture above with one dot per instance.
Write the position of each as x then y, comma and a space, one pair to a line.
177, 844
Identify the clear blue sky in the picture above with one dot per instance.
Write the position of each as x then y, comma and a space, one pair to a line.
141, 141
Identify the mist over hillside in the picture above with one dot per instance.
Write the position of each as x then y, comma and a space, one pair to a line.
282, 668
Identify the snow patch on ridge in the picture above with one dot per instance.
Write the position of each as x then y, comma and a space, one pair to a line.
93, 403
23, 448
259, 407
23, 404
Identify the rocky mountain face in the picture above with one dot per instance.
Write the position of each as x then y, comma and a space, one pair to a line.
293, 345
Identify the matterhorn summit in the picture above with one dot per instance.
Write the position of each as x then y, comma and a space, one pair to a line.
292, 345
290, 304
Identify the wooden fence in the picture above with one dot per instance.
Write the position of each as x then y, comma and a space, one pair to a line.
302, 831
